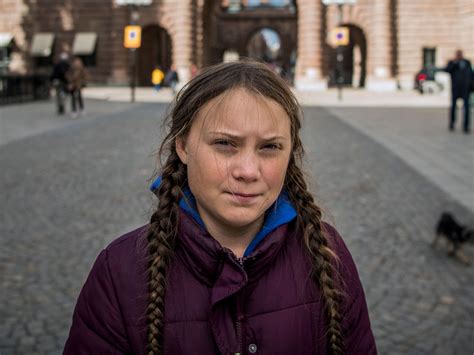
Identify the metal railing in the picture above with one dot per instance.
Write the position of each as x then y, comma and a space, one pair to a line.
22, 88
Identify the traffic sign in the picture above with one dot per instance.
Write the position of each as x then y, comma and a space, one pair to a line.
132, 37
339, 36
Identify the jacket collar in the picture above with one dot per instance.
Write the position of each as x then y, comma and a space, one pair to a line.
219, 269
280, 213
217, 266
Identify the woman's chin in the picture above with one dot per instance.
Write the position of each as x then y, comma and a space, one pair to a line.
239, 221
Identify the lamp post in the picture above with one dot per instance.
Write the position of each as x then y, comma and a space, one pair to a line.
134, 16
339, 46
134, 40
339, 58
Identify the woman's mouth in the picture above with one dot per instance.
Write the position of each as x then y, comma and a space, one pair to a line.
243, 198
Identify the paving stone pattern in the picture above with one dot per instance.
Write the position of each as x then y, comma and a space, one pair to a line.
68, 192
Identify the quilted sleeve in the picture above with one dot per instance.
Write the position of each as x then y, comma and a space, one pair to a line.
97, 326
357, 332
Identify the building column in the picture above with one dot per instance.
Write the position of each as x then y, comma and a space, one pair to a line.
182, 39
309, 56
380, 50
199, 32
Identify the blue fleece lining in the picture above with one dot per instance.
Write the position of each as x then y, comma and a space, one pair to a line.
281, 212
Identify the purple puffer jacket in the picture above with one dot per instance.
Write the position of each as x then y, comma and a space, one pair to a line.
214, 304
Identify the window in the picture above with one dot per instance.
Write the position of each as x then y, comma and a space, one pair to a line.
6, 45
429, 57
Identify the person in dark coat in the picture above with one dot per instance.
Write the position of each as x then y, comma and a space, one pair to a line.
77, 79
460, 70
236, 258
60, 82
171, 78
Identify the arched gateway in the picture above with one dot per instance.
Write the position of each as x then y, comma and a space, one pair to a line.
236, 26
155, 50
354, 59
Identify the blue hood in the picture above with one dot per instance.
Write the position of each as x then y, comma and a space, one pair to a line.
281, 212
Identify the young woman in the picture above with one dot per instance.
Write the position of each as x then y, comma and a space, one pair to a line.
77, 80
235, 259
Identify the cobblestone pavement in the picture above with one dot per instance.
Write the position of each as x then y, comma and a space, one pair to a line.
68, 191
40, 117
423, 141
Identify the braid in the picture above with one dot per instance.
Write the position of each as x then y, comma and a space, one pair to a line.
322, 256
161, 236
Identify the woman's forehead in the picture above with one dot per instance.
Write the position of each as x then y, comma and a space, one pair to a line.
239, 109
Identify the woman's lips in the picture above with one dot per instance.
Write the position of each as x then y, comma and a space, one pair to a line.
243, 197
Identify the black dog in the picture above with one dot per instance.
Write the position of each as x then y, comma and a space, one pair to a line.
455, 233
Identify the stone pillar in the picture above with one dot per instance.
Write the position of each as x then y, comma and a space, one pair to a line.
357, 69
309, 56
182, 39
199, 33
380, 49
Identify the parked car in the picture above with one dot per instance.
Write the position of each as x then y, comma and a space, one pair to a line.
425, 81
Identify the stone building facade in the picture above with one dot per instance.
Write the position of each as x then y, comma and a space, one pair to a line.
390, 40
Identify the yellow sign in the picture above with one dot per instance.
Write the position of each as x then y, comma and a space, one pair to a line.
132, 37
339, 36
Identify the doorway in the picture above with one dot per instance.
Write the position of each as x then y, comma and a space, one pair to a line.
155, 50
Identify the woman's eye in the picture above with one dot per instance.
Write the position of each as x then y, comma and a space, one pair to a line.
224, 145
222, 142
271, 146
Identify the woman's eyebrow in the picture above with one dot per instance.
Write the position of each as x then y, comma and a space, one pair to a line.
219, 133
275, 138
236, 137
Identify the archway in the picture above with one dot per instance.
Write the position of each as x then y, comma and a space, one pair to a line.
354, 59
230, 25
265, 45
155, 50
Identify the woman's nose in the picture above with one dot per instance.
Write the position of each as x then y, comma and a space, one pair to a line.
246, 167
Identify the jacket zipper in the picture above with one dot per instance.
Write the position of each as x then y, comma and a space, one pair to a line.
239, 337
239, 315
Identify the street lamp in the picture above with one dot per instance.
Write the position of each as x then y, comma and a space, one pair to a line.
339, 53
134, 17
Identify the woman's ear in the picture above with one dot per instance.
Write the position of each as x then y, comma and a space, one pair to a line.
181, 150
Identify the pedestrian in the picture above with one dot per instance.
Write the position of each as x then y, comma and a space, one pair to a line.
77, 80
235, 259
460, 70
171, 78
59, 81
157, 77
193, 70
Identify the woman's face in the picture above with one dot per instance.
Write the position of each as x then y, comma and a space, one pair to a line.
236, 152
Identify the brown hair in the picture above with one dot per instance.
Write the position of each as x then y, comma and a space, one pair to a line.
212, 82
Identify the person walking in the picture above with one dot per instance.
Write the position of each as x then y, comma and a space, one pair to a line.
193, 70
60, 82
171, 78
77, 79
460, 70
157, 77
